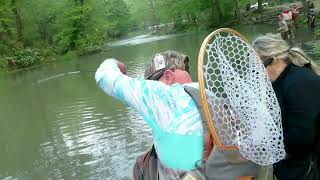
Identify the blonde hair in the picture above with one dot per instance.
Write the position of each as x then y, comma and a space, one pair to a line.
271, 45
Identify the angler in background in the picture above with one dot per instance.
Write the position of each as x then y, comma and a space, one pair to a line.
311, 13
283, 28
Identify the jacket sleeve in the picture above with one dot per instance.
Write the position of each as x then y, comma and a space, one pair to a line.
142, 95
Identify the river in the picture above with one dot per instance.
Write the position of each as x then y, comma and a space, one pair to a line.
57, 124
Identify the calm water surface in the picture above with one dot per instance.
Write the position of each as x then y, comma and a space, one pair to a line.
57, 124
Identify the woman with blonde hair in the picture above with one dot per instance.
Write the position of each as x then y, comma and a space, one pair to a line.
296, 81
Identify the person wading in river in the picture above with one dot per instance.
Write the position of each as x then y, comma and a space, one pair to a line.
283, 28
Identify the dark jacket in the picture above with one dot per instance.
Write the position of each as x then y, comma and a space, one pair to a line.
298, 93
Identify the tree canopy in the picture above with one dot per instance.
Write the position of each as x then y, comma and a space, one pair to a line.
83, 25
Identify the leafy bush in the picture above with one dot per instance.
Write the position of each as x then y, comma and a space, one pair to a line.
2, 63
22, 58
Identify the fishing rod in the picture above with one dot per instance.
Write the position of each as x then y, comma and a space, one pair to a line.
87, 71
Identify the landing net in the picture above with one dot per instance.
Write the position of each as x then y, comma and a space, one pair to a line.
243, 110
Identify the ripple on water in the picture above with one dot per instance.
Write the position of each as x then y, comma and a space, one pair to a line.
103, 145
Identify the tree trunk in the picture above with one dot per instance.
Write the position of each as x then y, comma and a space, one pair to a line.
153, 12
81, 2
237, 9
19, 26
6, 29
218, 8
259, 5
77, 26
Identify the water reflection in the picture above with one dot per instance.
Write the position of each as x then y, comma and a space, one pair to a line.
140, 40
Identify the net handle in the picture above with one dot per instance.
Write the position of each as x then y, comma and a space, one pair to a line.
204, 101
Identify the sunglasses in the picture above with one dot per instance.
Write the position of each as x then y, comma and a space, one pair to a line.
156, 76
268, 61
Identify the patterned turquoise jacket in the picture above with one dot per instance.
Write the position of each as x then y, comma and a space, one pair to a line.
169, 111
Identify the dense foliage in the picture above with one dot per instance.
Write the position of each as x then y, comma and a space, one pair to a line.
30, 27
82, 26
22, 58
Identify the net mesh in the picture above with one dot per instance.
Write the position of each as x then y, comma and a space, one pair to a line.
244, 106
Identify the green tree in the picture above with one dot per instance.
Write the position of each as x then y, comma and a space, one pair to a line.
237, 8
116, 17
18, 20
5, 20
152, 4
6, 26
141, 15
260, 5
31, 27
42, 21
219, 11
74, 26
78, 21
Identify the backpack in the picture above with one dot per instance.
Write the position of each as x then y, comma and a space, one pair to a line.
225, 162
146, 166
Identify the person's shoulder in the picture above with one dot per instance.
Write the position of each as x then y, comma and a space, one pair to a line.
303, 76
193, 85
302, 72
